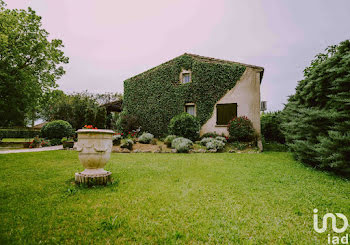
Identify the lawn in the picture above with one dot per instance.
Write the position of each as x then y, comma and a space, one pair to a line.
167, 198
17, 139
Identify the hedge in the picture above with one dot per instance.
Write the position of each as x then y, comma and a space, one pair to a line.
271, 127
19, 133
157, 95
316, 119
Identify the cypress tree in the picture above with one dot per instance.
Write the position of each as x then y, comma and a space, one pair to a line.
316, 120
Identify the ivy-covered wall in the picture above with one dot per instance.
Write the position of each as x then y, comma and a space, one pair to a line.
157, 95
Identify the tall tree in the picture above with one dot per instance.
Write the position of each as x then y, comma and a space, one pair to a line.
30, 64
316, 120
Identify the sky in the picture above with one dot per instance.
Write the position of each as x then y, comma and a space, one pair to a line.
109, 41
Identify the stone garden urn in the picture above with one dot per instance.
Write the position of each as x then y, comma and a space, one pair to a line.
94, 147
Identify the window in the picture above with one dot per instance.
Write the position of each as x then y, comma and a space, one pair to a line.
185, 76
190, 108
225, 112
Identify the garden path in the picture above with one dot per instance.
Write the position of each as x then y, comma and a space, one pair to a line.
49, 148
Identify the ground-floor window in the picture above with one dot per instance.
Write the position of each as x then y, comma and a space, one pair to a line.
225, 112
190, 108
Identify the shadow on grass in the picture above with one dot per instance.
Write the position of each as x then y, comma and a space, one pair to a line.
71, 187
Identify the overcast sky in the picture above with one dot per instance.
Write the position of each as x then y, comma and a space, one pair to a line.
109, 41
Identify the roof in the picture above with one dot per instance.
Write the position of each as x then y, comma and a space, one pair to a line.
212, 60
116, 105
40, 125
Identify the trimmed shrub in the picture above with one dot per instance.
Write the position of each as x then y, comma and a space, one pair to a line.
116, 139
271, 127
185, 125
169, 139
182, 145
18, 133
214, 144
241, 129
146, 138
127, 143
55, 141
57, 130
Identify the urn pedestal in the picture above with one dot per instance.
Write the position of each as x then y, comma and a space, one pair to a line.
94, 147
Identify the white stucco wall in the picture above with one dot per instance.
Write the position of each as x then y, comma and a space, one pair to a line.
246, 94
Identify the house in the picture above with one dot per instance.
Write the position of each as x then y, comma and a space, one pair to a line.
213, 90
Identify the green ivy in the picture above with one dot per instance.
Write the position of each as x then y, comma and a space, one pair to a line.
157, 95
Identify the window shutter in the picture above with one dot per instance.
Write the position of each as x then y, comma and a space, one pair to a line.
225, 112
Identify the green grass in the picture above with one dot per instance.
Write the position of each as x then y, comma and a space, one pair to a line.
223, 198
16, 140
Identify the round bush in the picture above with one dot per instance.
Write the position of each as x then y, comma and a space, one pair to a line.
127, 143
181, 144
241, 129
215, 144
204, 141
185, 125
146, 138
169, 139
57, 130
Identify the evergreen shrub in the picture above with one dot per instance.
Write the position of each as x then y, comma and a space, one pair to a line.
169, 139
316, 119
241, 129
185, 125
57, 130
146, 138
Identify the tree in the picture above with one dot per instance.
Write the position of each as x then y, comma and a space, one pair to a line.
48, 102
78, 109
30, 64
316, 120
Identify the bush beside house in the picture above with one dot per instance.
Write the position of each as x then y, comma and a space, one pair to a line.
184, 125
241, 129
271, 127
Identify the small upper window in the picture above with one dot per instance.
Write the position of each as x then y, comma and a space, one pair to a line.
185, 76
190, 108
